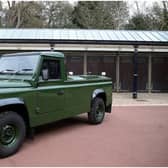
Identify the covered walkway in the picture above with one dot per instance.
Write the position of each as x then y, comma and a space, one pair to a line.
136, 60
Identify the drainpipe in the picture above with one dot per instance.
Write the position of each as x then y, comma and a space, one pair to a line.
135, 73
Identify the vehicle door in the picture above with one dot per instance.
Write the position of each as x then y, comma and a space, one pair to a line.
50, 95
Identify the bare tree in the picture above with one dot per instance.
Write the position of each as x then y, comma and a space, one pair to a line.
150, 18
58, 14
23, 14
1, 14
100, 14
165, 15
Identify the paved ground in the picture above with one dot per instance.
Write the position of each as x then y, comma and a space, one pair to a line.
149, 99
130, 136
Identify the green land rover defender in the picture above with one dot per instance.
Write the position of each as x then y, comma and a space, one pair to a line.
35, 90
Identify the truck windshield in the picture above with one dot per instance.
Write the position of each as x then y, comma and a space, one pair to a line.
18, 64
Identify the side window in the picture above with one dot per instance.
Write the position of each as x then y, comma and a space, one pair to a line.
53, 69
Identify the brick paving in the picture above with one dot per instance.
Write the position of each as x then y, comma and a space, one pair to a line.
150, 99
130, 136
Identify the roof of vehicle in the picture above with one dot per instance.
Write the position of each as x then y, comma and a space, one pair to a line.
47, 53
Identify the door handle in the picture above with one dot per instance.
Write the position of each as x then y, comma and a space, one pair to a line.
60, 92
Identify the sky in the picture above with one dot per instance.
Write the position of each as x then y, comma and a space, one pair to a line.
142, 4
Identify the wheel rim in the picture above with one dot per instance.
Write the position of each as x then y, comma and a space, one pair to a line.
99, 112
8, 134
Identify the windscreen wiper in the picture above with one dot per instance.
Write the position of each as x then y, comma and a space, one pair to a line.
8, 71
12, 71
25, 71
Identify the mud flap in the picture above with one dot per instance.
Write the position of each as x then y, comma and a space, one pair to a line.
108, 108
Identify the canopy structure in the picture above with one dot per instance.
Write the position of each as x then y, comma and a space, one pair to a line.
83, 36
88, 41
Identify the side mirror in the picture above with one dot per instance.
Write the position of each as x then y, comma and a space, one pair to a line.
45, 74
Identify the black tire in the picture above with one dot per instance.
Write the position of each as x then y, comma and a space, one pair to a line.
97, 113
12, 133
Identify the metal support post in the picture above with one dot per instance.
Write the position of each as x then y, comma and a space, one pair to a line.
135, 73
149, 73
85, 64
118, 73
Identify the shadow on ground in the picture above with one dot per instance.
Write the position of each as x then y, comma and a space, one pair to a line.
62, 126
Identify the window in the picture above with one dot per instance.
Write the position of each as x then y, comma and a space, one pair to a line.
109, 59
75, 59
126, 60
142, 60
16, 63
53, 68
158, 60
94, 59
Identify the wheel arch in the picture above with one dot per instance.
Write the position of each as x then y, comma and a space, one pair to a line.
17, 105
99, 93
